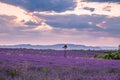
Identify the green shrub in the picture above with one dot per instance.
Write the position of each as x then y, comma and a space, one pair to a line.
99, 56
12, 73
44, 70
2, 78
114, 55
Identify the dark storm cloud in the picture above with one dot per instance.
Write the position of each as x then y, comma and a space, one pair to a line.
102, 0
43, 5
112, 25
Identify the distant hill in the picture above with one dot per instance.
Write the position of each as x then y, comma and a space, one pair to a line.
59, 47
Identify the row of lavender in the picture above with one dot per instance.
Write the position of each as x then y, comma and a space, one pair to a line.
17, 64
69, 53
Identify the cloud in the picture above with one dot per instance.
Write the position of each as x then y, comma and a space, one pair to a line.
94, 23
107, 8
102, 0
34, 22
46, 33
5, 21
43, 27
20, 14
88, 8
71, 21
8, 25
31, 23
76, 7
43, 5
101, 25
113, 25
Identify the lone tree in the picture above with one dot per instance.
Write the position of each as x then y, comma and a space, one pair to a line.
65, 47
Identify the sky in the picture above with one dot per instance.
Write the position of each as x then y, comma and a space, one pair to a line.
46, 22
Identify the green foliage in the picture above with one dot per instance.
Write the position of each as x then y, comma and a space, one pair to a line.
116, 55
2, 78
44, 70
99, 56
12, 73
113, 55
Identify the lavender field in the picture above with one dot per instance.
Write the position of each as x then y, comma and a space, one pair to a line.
29, 64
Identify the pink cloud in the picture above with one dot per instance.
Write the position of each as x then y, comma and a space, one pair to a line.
102, 25
90, 23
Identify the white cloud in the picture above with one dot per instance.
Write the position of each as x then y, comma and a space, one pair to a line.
43, 27
105, 8
21, 14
